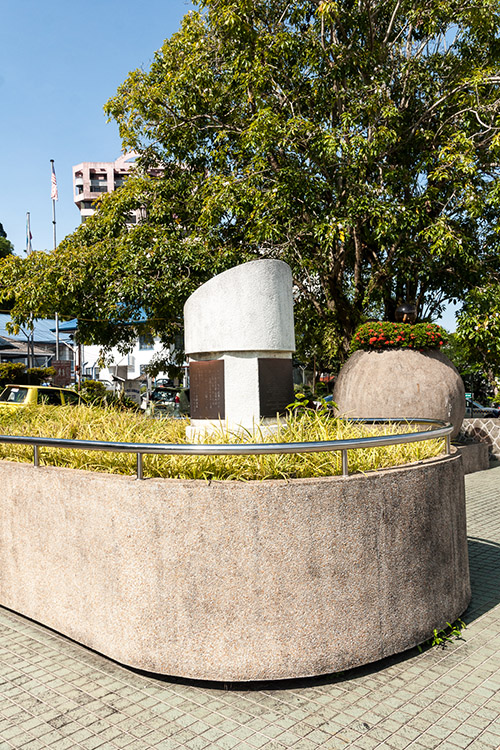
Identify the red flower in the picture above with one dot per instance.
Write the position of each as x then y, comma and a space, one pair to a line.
372, 340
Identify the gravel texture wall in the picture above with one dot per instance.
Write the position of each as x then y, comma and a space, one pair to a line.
237, 581
401, 383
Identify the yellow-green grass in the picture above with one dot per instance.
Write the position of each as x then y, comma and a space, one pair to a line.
92, 423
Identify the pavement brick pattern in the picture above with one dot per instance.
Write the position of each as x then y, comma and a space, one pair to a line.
56, 694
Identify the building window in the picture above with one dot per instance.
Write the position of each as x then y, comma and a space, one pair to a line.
146, 341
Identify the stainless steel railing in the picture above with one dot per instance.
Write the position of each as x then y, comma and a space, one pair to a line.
442, 430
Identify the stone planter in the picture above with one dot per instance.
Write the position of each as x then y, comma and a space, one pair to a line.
401, 384
237, 580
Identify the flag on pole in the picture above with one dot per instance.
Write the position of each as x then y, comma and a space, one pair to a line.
29, 236
53, 184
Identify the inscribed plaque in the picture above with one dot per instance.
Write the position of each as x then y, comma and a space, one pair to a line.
207, 389
275, 386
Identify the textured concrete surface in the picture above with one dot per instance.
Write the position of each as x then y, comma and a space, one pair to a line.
485, 431
248, 308
475, 457
59, 695
237, 580
400, 384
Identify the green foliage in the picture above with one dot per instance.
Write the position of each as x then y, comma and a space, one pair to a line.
94, 423
95, 393
38, 375
478, 332
306, 402
357, 142
383, 335
6, 247
11, 372
441, 638
16, 373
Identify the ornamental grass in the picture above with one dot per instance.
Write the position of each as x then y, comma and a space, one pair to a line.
93, 423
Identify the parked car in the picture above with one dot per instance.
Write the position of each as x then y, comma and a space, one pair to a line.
29, 395
164, 383
170, 402
475, 409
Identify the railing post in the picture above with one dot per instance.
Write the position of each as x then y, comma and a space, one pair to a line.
345, 469
140, 474
448, 444
36, 456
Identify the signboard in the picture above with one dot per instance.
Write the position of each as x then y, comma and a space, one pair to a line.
206, 383
62, 378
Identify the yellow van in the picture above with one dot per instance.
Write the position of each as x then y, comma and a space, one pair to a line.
29, 395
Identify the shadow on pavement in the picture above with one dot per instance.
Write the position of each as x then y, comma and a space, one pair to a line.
484, 564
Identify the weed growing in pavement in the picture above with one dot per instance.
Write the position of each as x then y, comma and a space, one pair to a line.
441, 638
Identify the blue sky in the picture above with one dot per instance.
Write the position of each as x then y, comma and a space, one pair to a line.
60, 62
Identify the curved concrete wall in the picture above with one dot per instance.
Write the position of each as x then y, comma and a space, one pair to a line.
237, 581
248, 308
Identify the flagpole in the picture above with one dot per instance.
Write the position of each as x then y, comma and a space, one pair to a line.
53, 194
30, 343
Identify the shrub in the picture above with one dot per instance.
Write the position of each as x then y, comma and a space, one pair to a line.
37, 375
95, 393
11, 372
17, 374
385, 335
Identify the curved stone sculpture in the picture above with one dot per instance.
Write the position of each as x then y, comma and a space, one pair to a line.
237, 580
239, 337
401, 384
248, 308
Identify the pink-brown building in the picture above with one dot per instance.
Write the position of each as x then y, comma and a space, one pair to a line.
93, 178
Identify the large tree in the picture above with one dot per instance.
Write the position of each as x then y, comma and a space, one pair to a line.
478, 333
6, 246
357, 141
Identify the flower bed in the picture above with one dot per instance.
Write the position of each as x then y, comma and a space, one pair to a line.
385, 335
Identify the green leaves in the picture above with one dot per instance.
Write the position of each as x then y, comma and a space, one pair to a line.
357, 142
478, 331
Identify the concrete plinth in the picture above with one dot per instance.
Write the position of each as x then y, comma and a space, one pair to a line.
237, 580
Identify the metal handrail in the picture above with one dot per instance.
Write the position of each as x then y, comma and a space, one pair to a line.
443, 430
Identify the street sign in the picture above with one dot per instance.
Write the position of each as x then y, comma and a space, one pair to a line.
62, 378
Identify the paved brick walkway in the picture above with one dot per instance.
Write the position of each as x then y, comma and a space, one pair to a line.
56, 694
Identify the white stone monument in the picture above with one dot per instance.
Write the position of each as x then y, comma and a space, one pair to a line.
239, 338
